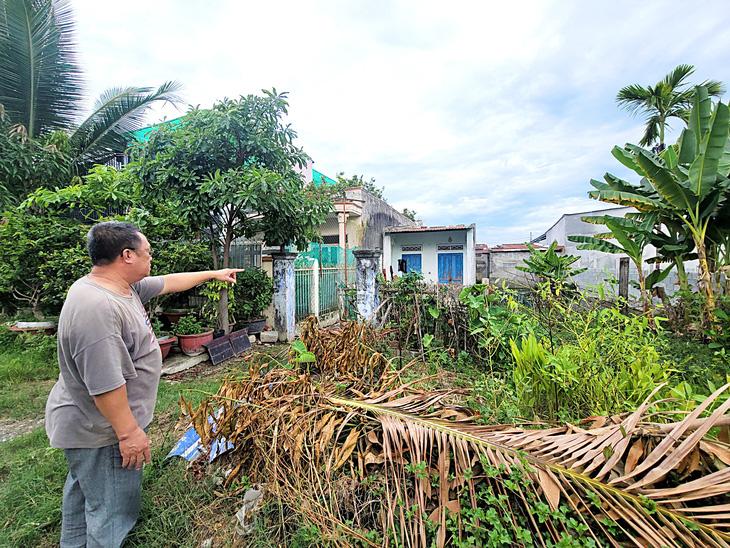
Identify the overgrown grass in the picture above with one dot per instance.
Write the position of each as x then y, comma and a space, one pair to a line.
28, 369
31, 484
178, 507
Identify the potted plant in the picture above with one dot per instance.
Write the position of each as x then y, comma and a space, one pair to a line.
192, 336
164, 339
254, 289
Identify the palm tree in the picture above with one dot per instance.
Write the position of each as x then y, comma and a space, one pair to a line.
41, 83
669, 98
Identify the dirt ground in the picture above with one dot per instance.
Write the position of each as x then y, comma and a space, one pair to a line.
10, 428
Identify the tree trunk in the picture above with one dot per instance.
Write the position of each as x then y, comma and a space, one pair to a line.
223, 320
705, 283
642, 288
681, 274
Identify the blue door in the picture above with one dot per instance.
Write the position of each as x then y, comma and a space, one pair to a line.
413, 262
451, 268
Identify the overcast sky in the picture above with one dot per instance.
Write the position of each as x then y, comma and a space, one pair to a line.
494, 113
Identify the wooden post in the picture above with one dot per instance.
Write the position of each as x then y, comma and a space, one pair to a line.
623, 282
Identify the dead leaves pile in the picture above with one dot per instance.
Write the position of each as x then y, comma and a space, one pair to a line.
404, 462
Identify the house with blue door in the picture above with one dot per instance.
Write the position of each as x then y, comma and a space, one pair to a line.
442, 254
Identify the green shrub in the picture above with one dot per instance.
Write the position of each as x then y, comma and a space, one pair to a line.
254, 290
495, 317
606, 362
189, 325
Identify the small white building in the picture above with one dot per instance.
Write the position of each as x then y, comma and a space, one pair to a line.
443, 254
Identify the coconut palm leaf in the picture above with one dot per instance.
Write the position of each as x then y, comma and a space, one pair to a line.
321, 445
610, 473
40, 79
117, 113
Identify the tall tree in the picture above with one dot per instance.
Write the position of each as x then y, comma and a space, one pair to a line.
669, 98
41, 83
230, 170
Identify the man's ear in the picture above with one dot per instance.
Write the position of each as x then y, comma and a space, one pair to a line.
127, 255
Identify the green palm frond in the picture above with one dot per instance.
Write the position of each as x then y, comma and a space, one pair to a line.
634, 98
117, 112
669, 98
678, 75
651, 131
40, 79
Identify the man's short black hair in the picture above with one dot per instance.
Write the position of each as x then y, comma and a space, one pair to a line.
106, 241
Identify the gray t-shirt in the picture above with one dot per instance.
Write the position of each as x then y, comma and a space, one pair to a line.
104, 341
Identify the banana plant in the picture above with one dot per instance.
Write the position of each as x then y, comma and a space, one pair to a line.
631, 235
688, 182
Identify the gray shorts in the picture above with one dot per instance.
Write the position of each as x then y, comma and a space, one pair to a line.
100, 498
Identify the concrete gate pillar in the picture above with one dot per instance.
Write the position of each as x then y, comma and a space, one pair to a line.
284, 295
366, 271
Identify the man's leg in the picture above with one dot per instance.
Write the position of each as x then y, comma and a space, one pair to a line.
73, 520
111, 494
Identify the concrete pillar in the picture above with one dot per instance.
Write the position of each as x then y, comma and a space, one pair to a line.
314, 290
366, 271
284, 295
387, 256
342, 221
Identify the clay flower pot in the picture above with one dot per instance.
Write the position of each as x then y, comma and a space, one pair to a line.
193, 345
166, 342
173, 315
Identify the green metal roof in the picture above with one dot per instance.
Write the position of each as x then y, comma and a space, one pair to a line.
321, 179
143, 134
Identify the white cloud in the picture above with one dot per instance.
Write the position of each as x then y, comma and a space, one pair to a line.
494, 113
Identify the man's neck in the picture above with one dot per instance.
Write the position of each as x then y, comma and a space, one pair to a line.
110, 280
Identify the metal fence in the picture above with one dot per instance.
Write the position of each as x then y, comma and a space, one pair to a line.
245, 255
320, 291
302, 291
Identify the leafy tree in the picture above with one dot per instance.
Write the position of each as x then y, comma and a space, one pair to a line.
40, 84
355, 181
27, 164
40, 257
411, 214
103, 192
689, 183
230, 172
668, 98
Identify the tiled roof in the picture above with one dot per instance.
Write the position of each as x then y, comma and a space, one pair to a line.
507, 248
393, 229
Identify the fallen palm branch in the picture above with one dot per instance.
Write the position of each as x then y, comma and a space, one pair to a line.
400, 466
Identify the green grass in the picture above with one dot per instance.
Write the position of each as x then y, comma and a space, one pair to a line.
178, 509
31, 483
28, 369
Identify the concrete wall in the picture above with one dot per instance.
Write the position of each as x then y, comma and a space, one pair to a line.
429, 242
502, 268
602, 266
377, 215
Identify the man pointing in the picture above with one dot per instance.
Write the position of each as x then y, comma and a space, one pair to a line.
110, 365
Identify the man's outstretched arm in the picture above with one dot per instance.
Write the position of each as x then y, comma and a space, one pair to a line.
182, 281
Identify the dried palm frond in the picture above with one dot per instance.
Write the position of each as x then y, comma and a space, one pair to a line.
420, 470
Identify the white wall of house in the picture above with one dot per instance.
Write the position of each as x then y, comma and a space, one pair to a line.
602, 265
429, 242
